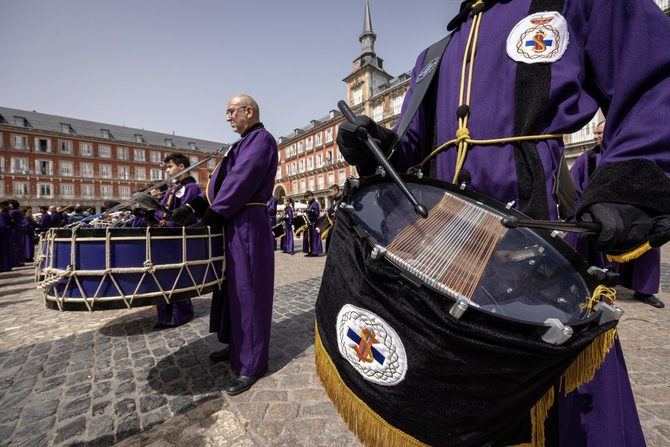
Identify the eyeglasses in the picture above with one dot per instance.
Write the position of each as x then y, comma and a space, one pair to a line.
232, 110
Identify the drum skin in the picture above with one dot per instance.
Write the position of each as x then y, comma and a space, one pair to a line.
127, 267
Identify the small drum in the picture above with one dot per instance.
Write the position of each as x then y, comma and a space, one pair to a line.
278, 231
300, 224
92, 269
324, 225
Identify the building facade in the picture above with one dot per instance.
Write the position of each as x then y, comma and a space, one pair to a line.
310, 159
54, 160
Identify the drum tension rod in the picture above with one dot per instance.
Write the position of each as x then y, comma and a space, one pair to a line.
557, 333
459, 307
571, 227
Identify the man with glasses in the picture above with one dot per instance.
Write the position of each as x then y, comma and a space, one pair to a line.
236, 198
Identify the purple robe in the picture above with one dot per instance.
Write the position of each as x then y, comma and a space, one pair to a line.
608, 63
28, 226
177, 195
5, 242
272, 212
18, 237
46, 221
311, 239
286, 241
238, 190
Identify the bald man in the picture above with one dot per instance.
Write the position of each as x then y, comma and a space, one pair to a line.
236, 198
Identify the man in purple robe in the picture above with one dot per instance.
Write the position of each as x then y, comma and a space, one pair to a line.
5, 237
29, 225
538, 69
641, 275
272, 211
334, 202
286, 241
46, 221
311, 240
18, 233
236, 197
184, 189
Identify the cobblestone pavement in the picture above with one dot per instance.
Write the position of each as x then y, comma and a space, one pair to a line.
100, 378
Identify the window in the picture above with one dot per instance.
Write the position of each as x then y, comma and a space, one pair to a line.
20, 121
106, 191
2, 166
319, 160
193, 159
139, 138
397, 104
67, 189
19, 142
105, 151
331, 179
65, 146
155, 174
294, 187
65, 128
140, 174
319, 181
44, 190
329, 157
42, 144
124, 172
138, 154
86, 149
311, 183
303, 185
339, 155
310, 143
211, 164
310, 163
341, 177
21, 189
86, 169
66, 168
195, 176
319, 139
19, 165
155, 157
358, 95
293, 169
378, 113
192, 145
44, 167
88, 191
329, 135
278, 175
105, 133
122, 153
124, 192
301, 147
301, 166
168, 142
105, 171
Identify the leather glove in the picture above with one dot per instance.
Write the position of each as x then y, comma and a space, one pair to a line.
140, 212
180, 215
626, 227
213, 219
353, 147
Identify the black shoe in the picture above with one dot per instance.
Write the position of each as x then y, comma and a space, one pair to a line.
649, 298
218, 356
160, 327
242, 383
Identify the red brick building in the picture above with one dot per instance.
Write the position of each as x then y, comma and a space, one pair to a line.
55, 160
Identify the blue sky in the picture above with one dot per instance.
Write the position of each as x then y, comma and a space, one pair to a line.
171, 65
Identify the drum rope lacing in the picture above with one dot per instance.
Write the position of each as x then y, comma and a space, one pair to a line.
55, 275
463, 140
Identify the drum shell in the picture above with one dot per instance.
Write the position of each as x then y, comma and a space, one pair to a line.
278, 230
300, 223
324, 226
143, 266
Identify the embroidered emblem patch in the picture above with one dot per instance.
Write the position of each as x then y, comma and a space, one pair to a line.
540, 37
371, 346
180, 192
430, 66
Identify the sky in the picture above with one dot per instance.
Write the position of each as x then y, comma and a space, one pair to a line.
171, 65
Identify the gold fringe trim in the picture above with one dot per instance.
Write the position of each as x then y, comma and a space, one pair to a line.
630, 255
538, 415
584, 368
371, 429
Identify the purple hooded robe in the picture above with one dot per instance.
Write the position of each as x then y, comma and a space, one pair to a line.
311, 240
286, 240
238, 191
610, 63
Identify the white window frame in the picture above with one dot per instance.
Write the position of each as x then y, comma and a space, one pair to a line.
329, 135
155, 156
64, 187
38, 167
140, 173
105, 170
122, 153
139, 155
378, 112
124, 192
41, 194
123, 172
85, 149
357, 95
65, 146
25, 189
19, 142
104, 151
85, 188
19, 170
106, 191
66, 172
397, 104
155, 173
37, 145
83, 172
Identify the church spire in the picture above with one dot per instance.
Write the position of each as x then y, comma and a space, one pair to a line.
368, 37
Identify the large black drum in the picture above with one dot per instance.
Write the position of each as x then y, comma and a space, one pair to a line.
102, 268
324, 225
300, 223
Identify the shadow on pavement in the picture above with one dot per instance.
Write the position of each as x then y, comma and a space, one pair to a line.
189, 371
14, 292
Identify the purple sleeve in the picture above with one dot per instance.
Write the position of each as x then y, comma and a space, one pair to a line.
257, 158
272, 206
409, 150
579, 172
628, 53
192, 190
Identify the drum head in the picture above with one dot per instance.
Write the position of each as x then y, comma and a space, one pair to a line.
462, 250
146, 201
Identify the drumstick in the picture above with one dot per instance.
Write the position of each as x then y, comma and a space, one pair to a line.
379, 155
570, 227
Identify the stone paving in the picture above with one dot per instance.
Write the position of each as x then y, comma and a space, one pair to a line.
102, 378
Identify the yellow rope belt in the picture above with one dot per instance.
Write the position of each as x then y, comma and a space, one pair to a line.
256, 204
463, 139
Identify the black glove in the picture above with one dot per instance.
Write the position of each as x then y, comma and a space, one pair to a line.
625, 227
181, 214
213, 219
140, 212
353, 147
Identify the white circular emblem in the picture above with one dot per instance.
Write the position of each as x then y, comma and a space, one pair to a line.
540, 37
180, 192
371, 346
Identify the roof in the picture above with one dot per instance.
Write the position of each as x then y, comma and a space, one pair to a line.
117, 134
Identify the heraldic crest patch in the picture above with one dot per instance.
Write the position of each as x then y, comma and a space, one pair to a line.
538, 38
